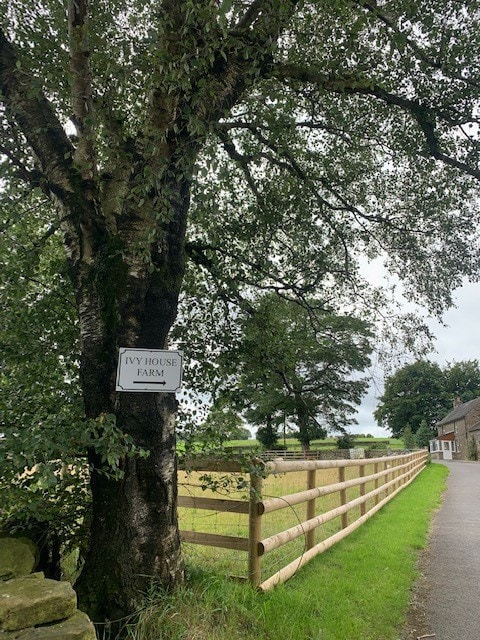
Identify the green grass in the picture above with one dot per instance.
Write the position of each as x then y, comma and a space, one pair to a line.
234, 524
293, 443
358, 590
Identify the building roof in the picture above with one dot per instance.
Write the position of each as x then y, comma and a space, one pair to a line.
459, 412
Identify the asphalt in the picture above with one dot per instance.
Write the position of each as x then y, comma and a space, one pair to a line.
452, 567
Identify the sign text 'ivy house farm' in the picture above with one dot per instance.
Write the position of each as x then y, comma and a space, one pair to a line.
151, 370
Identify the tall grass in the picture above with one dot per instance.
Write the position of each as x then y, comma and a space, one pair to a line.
232, 524
358, 590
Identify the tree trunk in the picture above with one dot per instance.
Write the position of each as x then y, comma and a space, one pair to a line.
134, 540
134, 533
303, 423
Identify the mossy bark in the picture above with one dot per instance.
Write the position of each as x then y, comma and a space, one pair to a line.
134, 533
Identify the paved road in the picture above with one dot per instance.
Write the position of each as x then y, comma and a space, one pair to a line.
452, 567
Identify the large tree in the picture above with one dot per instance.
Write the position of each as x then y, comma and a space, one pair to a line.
415, 392
462, 380
268, 143
302, 365
425, 392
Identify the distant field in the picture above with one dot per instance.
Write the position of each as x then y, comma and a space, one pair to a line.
326, 443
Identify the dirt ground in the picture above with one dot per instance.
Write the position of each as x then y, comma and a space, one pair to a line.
417, 626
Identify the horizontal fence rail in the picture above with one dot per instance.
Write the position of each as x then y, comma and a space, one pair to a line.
376, 481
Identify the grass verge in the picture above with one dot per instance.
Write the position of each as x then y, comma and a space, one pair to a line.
358, 590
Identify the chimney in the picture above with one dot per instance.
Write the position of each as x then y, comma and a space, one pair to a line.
457, 402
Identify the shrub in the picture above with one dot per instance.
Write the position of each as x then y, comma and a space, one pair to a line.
268, 436
472, 450
375, 446
346, 441
408, 438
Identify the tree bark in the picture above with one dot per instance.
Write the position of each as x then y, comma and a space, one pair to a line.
303, 423
134, 539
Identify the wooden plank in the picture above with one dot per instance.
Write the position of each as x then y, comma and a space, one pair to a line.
301, 529
362, 490
343, 496
217, 465
282, 502
213, 504
214, 540
210, 464
284, 466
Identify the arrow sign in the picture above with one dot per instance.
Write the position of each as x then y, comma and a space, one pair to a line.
147, 370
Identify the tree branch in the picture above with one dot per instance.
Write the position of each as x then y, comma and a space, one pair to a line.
349, 85
81, 92
250, 15
373, 8
243, 55
35, 117
32, 177
230, 148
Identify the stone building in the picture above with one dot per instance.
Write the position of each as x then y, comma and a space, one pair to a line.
456, 429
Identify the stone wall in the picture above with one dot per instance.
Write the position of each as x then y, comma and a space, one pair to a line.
33, 607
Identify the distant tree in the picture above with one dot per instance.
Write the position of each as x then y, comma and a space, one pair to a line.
268, 434
413, 393
424, 391
302, 365
263, 404
223, 423
408, 438
462, 380
241, 433
424, 434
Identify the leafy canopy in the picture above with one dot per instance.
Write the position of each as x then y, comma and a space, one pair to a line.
423, 392
310, 136
299, 365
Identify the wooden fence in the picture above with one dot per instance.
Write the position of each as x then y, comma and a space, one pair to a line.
385, 478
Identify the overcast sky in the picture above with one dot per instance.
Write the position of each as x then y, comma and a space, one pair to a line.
459, 340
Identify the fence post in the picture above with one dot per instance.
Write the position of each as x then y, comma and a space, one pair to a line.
362, 489
375, 486
311, 484
387, 476
407, 460
254, 530
343, 496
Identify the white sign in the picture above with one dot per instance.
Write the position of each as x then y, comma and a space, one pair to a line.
149, 370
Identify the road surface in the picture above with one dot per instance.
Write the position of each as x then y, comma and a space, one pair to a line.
447, 602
